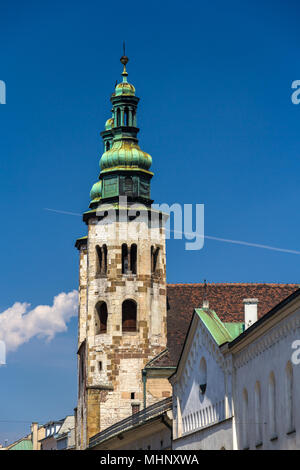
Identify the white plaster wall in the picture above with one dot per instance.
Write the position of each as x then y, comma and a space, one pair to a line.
197, 410
217, 437
269, 353
158, 441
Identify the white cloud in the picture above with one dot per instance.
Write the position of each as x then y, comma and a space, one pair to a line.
19, 323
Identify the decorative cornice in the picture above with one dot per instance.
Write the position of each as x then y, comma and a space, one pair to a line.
268, 340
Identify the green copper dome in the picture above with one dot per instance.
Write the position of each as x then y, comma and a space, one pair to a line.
125, 154
109, 123
124, 88
96, 190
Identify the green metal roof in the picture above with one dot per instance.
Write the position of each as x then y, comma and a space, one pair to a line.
25, 444
221, 332
235, 329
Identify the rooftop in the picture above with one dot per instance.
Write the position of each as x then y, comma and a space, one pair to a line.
226, 299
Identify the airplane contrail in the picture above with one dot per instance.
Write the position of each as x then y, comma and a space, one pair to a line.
209, 237
61, 212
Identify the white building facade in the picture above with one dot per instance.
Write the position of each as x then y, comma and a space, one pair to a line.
236, 390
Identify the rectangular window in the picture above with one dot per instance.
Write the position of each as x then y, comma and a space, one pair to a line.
135, 409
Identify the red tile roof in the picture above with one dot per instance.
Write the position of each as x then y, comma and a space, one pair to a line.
225, 299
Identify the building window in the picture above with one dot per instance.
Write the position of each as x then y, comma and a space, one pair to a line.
272, 406
135, 408
98, 260
245, 420
258, 415
101, 318
118, 117
128, 185
203, 376
289, 397
133, 258
101, 260
129, 309
154, 259
126, 117
104, 250
125, 266
100, 366
132, 395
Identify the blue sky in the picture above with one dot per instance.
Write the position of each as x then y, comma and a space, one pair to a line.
216, 115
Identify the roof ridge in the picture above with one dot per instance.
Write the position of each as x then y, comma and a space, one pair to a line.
158, 356
269, 284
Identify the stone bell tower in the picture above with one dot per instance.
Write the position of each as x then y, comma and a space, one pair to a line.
122, 291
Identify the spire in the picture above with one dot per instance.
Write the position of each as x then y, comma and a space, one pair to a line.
124, 60
125, 168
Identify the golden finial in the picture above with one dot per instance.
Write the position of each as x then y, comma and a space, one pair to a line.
124, 59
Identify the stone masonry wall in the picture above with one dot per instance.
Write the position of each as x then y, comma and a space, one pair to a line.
123, 354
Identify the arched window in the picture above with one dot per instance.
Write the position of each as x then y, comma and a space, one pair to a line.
154, 259
133, 258
258, 414
126, 117
272, 406
101, 318
98, 260
203, 375
129, 315
128, 185
118, 117
104, 249
289, 397
107, 146
125, 266
245, 420
101, 260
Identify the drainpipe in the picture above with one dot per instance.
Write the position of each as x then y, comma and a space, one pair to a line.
144, 375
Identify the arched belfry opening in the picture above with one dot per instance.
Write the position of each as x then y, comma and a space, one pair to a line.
125, 264
104, 250
129, 259
126, 117
154, 259
129, 315
133, 258
101, 260
118, 117
101, 318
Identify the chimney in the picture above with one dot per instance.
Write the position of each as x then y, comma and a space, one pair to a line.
250, 309
205, 302
34, 436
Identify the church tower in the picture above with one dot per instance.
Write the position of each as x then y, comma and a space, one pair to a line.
122, 280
